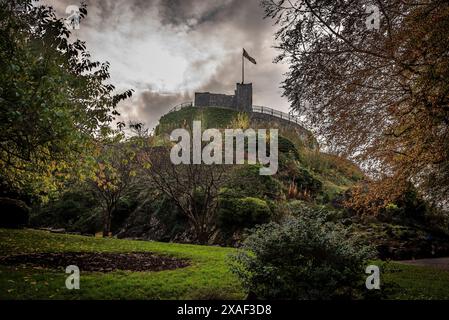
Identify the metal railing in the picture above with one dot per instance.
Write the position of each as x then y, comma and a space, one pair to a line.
181, 106
257, 109
277, 113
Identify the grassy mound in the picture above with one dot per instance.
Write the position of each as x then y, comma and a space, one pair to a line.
335, 173
209, 117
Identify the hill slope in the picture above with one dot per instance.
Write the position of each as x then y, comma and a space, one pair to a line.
335, 173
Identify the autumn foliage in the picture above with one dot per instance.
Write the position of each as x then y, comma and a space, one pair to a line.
377, 96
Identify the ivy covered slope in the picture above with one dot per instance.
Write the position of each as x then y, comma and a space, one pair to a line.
303, 167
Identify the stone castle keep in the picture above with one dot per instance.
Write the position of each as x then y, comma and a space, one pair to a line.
242, 100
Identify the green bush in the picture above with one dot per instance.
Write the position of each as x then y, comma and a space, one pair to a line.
286, 146
306, 181
76, 210
210, 118
245, 178
409, 207
302, 258
14, 213
291, 171
240, 213
297, 207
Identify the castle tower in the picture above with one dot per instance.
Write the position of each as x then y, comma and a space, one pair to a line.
244, 97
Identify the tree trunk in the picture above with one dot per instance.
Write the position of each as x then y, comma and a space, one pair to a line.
107, 223
202, 235
202, 238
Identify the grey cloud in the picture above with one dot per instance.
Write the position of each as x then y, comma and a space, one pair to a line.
205, 36
149, 106
180, 11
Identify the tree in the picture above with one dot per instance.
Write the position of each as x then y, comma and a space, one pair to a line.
378, 96
115, 175
194, 188
54, 100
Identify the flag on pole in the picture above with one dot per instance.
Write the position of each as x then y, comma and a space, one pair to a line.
247, 56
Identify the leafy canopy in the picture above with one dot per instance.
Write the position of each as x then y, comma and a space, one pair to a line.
54, 100
380, 96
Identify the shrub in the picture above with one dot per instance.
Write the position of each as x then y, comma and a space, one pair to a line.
304, 181
302, 258
286, 146
14, 213
75, 210
408, 206
239, 213
328, 213
244, 179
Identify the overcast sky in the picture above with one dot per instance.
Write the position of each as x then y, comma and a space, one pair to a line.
167, 49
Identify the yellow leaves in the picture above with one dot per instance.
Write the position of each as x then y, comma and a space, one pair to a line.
240, 122
106, 185
111, 186
391, 206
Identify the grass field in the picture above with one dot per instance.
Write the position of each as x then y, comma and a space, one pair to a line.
206, 278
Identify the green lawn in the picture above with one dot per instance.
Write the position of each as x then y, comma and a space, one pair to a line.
206, 278
417, 283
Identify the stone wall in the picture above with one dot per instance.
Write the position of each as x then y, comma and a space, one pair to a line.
244, 97
207, 99
221, 100
242, 100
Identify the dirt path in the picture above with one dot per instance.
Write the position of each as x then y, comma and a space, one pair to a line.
441, 263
